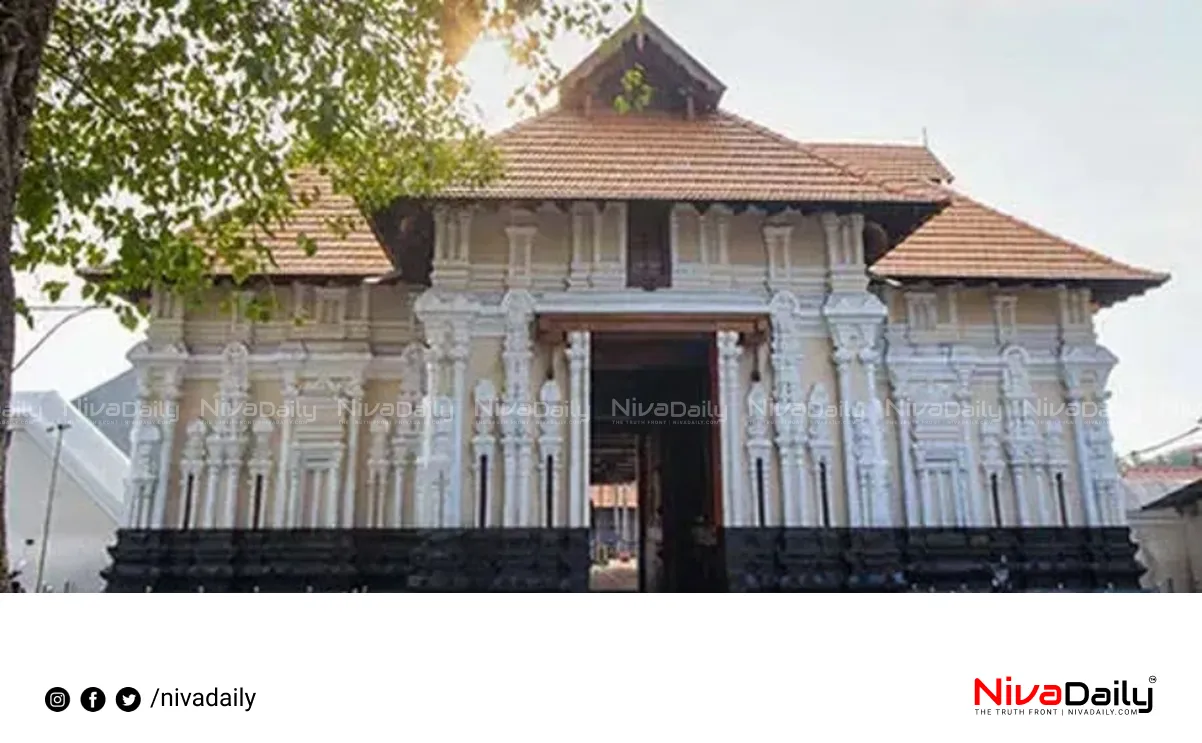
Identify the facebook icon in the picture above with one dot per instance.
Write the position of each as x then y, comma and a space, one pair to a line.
92, 699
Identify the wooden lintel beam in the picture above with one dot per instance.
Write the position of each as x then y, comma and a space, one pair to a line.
750, 326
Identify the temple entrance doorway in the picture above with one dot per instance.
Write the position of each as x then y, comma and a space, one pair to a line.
653, 483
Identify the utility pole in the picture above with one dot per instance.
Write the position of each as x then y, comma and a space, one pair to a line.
58, 450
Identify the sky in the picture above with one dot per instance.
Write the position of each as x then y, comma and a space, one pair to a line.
1081, 116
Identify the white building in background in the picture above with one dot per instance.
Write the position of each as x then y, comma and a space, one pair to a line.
88, 502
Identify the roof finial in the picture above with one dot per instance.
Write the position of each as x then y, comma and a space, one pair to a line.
637, 20
924, 138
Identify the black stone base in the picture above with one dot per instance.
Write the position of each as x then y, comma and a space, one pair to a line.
477, 560
975, 560
336, 560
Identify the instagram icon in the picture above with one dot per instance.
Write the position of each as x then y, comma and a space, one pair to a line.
57, 699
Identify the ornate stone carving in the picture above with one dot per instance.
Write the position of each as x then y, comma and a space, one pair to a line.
484, 445
379, 464
579, 355
550, 448
735, 510
759, 455
788, 415
192, 470
516, 437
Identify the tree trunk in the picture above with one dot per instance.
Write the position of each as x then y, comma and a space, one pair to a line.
24, 27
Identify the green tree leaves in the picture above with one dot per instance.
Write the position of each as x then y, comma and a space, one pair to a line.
166, 130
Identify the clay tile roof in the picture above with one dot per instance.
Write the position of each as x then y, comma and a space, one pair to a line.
356, 252
971, 240
563, 154
890, 162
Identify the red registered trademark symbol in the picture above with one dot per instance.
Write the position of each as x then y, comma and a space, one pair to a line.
1151, 679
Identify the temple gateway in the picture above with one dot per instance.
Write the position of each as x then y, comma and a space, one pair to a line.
668, 339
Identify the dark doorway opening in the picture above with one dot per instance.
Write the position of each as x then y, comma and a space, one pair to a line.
653, 435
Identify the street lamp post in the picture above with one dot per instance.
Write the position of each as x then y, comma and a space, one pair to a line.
58, 450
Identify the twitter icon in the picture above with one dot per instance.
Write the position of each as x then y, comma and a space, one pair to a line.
128, 699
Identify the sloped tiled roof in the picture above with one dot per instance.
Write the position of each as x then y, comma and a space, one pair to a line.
564, 154
354, 251
903, 163
1145, 485
971, 240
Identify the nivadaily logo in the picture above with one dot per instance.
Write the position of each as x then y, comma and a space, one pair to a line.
1070, 697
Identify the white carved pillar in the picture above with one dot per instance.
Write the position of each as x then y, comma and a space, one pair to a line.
192, 468
759, 458
674, 238
550, 452
285, 507
141, 472
971, 508
851, 485
579, 354
822, 446
168, 419
777, 245
460, 351
434, 459
735, 511
259, 472
1024, 444
378, 466
799, 506
905, 449
406, 440
484, 446
724, 274
877, 493
354, 399
519, 272
333, 475
213, 466
516, 443
1107, 486
579, 268
452, 239
293, 478
930, 500
1074, 396
1056, 458
993, 464
233, 393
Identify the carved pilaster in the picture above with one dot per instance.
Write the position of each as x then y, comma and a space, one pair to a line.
736, 511
259, 473
407, 434
579, 355
822, 446
192, 470
1024, 444
993, 464
379, 465
550, 451
353, 410
518, 273
972, 507
484, 451
777, 245
800, 508
516, 437
759, 457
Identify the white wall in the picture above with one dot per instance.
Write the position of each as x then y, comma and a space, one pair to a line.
80, 530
